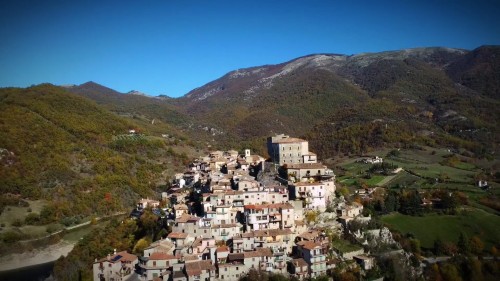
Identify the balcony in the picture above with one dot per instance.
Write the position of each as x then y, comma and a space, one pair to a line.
266, 266
280, 265
275, 218
224, 233
278, 251
253, 219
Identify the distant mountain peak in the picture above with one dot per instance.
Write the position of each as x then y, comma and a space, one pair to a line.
134, 92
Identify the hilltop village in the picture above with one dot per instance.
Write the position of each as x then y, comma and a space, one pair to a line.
230, 214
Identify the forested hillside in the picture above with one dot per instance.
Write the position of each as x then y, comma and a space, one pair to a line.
77, 155
351, 104
131, 105
59, 145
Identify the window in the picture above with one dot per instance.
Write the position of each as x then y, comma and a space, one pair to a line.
225, 269
290, 148
154, 263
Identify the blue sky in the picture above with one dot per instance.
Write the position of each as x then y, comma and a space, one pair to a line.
173, 46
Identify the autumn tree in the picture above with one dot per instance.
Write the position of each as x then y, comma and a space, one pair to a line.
450, 272
476, 245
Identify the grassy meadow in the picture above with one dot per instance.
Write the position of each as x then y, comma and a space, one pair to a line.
428, 228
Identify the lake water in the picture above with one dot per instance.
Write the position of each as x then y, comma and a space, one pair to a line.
30, 273
42, 271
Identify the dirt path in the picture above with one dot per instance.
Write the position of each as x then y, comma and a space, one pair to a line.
386, 180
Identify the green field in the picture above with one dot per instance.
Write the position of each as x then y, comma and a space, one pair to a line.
344, 246
421, 169
447, 228
13, 213
374, 180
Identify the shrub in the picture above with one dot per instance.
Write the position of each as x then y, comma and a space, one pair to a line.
11, 237
67, 221
52, 228
32, 219
17, 223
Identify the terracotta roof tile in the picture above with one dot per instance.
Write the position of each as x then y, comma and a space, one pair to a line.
161, 256
177, 235
196, 268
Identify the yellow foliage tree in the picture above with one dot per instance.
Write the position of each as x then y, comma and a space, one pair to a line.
141, 245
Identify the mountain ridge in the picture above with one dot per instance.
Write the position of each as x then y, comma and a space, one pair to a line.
303, 94
295, 96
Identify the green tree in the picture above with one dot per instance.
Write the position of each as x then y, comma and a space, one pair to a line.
463, 243
438, 247
415, 246
32, 219
149, 222
391, 202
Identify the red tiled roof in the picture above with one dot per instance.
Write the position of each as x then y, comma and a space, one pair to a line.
310, 245
299, 262
161, 256
306, 166
196, 267
177, 235
223, 249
